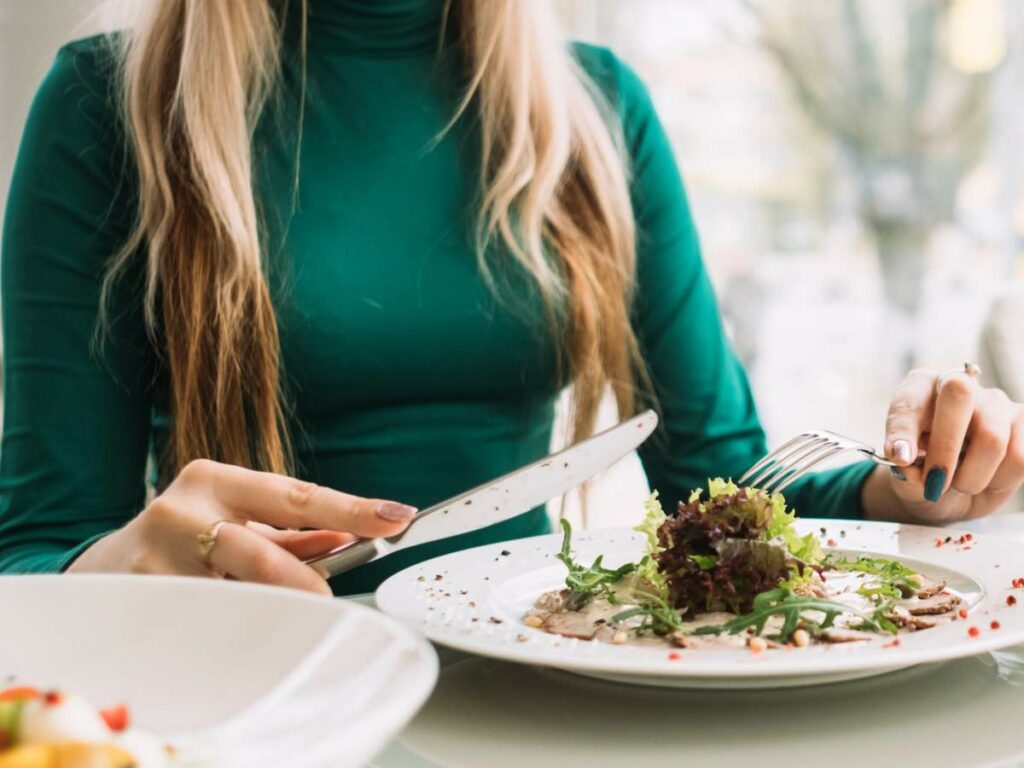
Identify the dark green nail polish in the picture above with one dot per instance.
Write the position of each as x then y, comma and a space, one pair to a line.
898, 474
934, 484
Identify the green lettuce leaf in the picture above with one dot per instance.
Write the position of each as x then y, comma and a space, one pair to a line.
719, 487
653, 518
805, 548
647, 569
705, 562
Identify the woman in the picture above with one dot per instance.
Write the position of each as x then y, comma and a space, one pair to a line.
366, 244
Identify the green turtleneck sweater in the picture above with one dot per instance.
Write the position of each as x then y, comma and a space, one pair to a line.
408, 379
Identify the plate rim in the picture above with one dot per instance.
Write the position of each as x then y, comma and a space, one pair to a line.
640, 667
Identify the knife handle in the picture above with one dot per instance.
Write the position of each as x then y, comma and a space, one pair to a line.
348, 556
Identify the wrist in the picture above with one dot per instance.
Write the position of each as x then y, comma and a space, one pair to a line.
94, 555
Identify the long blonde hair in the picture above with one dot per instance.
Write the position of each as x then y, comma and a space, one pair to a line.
554, 194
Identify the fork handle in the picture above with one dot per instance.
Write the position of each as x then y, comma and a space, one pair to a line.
918, 462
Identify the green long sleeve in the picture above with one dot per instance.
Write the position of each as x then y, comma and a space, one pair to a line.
408, 378
75, 427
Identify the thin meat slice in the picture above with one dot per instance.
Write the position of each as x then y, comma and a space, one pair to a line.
571, 624
900, 616
552, 601
930, 589
925, 622
931, 606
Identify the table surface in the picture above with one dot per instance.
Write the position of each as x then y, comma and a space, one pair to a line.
490, 713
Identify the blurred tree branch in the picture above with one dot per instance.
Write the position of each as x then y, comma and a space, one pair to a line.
875, 76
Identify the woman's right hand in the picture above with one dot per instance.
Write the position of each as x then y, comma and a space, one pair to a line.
255, 544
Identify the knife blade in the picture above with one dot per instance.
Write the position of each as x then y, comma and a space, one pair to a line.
497, 500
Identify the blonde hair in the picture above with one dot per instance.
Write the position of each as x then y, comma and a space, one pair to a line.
553, 193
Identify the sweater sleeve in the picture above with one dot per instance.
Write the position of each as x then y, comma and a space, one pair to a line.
710, 422
76, 405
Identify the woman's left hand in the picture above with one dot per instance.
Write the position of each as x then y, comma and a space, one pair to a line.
972, 439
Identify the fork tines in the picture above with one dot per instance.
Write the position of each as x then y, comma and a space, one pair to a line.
792, 459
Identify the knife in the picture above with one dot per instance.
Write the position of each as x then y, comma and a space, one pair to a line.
507, 496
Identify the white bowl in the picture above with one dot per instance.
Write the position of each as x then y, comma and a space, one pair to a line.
234, 674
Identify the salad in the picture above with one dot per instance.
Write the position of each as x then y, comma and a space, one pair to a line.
54, 729
730, 570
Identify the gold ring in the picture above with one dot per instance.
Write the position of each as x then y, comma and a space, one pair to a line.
207, 540
972, 369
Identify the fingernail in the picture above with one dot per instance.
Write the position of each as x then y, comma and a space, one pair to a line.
395, 512
934, 484
901, 451
898, 474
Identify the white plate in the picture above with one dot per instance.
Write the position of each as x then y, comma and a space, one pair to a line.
474, 601
234, 674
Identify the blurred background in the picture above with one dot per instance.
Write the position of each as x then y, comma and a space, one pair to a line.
856, 171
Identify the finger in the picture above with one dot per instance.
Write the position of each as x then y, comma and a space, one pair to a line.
303, 544
1010, 474
247, 556
909, 413
989, 435
285, 502
911, 476
170, 530
954, 409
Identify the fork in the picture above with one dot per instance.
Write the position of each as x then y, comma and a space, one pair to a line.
796, 457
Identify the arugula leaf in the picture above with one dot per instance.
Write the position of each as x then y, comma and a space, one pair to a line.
587, 582
890, 582
660, 617
875, 566
793, 608
879, 591
892, 578
879, 619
